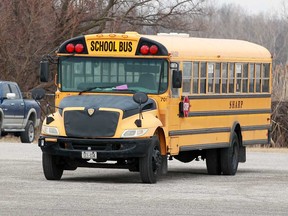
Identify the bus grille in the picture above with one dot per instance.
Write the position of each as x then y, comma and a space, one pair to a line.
79, 123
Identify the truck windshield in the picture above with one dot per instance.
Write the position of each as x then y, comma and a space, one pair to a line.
86, 74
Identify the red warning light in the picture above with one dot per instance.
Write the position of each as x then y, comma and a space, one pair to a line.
70, 48
144, 50
79, 48
153, 49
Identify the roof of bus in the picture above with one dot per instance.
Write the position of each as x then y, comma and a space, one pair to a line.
185, 47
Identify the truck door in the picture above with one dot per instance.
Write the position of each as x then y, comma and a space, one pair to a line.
8, 114
17, 106
13, 108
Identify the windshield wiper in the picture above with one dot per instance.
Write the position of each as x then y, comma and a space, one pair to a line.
94, 87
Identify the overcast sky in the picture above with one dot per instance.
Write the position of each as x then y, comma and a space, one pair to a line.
257, 6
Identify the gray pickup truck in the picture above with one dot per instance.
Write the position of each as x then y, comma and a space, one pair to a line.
18, 116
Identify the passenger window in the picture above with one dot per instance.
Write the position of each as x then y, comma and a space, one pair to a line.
258, 77
15, 90
187, 72
265, 78
238, 71
231, 78
203, 77
195, 77
217, 78
251, 78
224, 75
211, 67
5, 90
245, 78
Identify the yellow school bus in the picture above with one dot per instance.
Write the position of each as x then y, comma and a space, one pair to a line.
133, 101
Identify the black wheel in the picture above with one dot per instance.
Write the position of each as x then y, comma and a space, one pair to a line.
213, 163
230, 157
53, 170
150, 165
28, 135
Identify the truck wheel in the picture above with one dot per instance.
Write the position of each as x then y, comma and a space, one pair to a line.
213, 162
51, 167
230, 157
28, 135
150, 165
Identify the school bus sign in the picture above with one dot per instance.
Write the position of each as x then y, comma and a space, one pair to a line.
113, 46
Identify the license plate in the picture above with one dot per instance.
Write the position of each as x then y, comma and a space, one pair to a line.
89, 154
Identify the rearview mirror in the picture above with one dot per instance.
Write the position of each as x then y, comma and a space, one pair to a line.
44, 71
177, 79
140, 97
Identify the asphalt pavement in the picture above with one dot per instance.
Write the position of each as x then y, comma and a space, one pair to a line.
260, 187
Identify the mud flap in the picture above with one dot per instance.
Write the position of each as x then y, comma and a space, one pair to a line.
242, 154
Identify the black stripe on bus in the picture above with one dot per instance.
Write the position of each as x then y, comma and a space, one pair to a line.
199, 131
216, 130
256, 127
229, 112
219, 145
228, 96
204, 146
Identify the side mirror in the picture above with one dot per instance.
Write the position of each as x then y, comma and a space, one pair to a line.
44, 71
177, 79
10, 95
38, 94
140, 97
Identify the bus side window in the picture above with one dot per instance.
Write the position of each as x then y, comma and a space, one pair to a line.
231, 78
210, 75
224, 74
203, 77
195, 77
187, 69
265, 77
245, 78
174, 91
217, 78
238, 74
258, 77
251, 77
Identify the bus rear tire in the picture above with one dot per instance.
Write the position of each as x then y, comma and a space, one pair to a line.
213, 162
230, 157
51, 167
150, 165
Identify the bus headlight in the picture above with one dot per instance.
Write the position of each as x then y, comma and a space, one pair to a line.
49, 130
134, 133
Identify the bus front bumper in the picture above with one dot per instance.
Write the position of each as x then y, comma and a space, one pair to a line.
105, 148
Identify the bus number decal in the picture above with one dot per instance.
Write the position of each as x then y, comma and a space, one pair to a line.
236, 104
163, 99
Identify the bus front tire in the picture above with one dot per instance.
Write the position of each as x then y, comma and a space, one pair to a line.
230, 157
51, 167
150, 165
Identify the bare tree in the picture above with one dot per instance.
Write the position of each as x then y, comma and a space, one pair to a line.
31, 28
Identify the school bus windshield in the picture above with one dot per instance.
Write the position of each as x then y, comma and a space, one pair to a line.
84, 74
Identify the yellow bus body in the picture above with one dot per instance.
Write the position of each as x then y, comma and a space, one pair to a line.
215, 112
